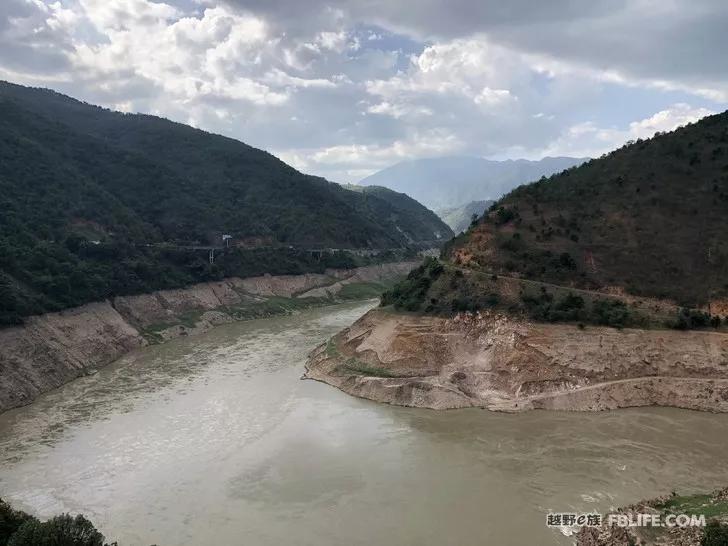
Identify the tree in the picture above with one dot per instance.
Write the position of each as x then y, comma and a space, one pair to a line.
63, 530
10, 521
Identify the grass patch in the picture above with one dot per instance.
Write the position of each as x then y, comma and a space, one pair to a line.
153, 332
332, 350
275, 305
361, 368
362, 290
695, 504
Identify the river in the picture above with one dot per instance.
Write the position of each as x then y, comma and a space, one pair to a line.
215, 440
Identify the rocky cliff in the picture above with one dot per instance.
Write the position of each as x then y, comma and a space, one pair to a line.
501, 363
52, 349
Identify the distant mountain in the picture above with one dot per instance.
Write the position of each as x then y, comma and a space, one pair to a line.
460, 218
96, 203
448, 182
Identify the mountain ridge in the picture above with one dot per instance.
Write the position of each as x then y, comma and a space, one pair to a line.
96, 203
634, 238
453, 181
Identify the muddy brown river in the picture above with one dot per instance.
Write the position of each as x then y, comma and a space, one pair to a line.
215, 440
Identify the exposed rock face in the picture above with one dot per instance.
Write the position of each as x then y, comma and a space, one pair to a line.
55, 348
499, 363
52, 349
165, 305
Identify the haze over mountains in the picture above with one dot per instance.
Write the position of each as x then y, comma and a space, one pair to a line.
460, 218
95, 203
450, 182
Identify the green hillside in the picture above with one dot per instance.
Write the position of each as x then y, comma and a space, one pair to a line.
95, 203
649, 219
416, 221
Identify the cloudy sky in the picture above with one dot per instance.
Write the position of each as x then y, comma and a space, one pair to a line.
342, 88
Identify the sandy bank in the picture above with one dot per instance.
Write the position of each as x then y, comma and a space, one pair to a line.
495, 362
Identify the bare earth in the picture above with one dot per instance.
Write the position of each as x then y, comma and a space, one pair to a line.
499, 363
52, 349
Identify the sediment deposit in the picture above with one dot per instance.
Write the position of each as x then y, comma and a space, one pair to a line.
498, 362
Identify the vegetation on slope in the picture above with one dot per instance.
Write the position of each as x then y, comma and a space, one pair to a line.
650, 218
95, 203
20, 529
713, 507
635, 238
415, 220
443, 289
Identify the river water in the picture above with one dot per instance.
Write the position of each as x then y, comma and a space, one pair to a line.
214, 440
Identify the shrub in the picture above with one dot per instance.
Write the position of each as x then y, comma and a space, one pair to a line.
716, 534
10, 521
63, 530
610, 313
566, 261
692, 319
504, 215
410, 293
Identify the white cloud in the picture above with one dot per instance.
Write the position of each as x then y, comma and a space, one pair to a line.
354, 161
587, 139
666, 120
127, 14
474, 68
398, 111
338, 93
493, 97
191, 57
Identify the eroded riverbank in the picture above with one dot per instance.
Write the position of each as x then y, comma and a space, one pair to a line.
496, 362
214, 440
53, 349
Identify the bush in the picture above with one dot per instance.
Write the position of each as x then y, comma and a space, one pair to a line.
566, 261
690, 319
10, 521
716, 534
63, 530
611, 313
410, 293
504, 215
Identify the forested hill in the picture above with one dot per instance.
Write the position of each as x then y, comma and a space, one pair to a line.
412, 218
95, 203
650, 218
203, 184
